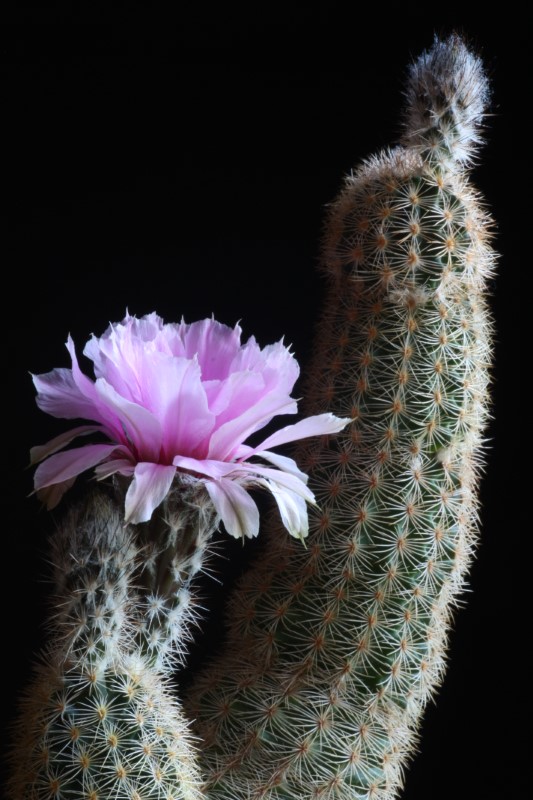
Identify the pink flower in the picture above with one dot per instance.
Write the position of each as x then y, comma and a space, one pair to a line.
179, 398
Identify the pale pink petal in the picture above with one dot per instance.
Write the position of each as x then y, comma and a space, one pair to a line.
62, 466
238, 511
228, 398
293, 510
226, 439
248, 357
85, 385
176, 397
282, 479
213, 344
120, 356
281, 462
149, 487
141, 430
41, 451
205, 466
293, 480
317, 425
101, 412
60, 396
256, 375
115, 362
275, 362
243, 392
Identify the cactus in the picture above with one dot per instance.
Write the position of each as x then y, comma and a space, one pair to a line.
100, 718
175, 402
333, 651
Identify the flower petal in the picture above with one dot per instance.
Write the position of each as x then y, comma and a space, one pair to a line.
213, 344
275, 362
281, 462
41, 451
229, 436
317, 425
62, 466
100, 412
120, 353
59, 395
205, 466
142, 429
285, 480
238, 511
293, 510
178, 400
228, 398
149, 487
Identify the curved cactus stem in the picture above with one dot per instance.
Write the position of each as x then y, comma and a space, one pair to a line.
100, 719
333, 651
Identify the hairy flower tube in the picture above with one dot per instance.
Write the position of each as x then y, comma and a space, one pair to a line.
177, 398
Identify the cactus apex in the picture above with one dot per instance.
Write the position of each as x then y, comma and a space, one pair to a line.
447, 94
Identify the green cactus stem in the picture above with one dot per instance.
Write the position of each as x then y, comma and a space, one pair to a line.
100, 719
334, 650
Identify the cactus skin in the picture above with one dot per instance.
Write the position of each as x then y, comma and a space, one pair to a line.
100, 719
334, 651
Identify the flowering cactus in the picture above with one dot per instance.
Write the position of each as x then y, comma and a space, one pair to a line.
334, 649
176, 403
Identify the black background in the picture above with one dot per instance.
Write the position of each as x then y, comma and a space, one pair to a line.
183, 166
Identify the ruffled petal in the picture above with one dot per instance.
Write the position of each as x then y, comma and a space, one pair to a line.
275, 362
228, 398
149, 487
213, 344
178, 400
41, 451
141, 430
234, 505
63, 466
120, 353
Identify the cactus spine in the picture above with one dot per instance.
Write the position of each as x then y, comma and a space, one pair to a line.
333, 651
100, 719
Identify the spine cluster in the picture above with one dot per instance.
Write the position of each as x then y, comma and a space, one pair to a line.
333, 651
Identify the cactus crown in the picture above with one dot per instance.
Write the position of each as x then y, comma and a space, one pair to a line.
447, 94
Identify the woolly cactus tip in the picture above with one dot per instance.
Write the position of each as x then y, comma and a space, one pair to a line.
447, 94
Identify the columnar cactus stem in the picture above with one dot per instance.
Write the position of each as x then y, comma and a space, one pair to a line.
100, 720
176, 545
334, 651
